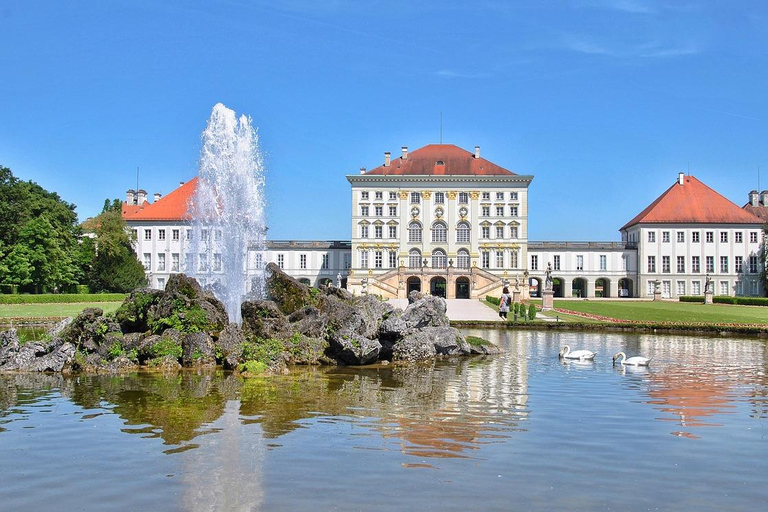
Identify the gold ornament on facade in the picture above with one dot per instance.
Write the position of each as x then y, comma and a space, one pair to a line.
474, 195
426, 194
403, 194
451, 194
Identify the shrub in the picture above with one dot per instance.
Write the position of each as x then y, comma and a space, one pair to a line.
744, 301
252, 367
58, 298
692, 298
477, 342
492, 300
531, 312
166, 347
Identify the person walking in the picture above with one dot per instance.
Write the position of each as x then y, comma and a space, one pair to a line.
504, 301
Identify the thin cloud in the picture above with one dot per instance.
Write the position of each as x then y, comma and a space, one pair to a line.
449, 73
629, 6
653, 49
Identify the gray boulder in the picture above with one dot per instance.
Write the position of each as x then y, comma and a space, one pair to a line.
426, 312
288, 293
198, 349
263, 319
415, 296
416, 346
230, 345
354, 349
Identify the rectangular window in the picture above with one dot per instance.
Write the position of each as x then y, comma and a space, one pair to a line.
534, 262
666, 288
393, 211
377, 231
161, 234
500, 196
710, 236
379, 195
147, 261
579, 262
392, 259
486, 211
681, 236
665, 236
738, 237
217, 234
377, 259
753, 264
695, 237
724, 288
303, 261
188, 235
680, 288
695, 264
513, 232
379, 211
204, 234
513, 211
161, 262
161, 283
651, 264
364, 211
738, 264
217, 262
681, 264
499, 211
513, 196
753, 288
202, 262
499, 232
513, 255
556, 262
724, 264
651, 236
486, 259
415, 198
753, 237
326, 262
259, 260
710, 262
175, 235
392, 195
174, 262
364, 196
499, 259
281, 261
147, 234
363, 231
463, 198
486, 232
696, 288
439, 198
724, 237
189, 264
650, 287
392, 231
487, 196
603, 262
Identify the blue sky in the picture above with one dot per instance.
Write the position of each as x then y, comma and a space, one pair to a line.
603, 101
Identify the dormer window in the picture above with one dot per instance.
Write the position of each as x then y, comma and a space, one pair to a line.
439, 162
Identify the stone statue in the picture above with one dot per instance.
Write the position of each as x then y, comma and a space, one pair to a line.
708, 285
548, 278
338, 280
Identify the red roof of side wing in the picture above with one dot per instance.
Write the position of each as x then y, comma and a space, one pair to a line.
693, 203
440, 160
173, 207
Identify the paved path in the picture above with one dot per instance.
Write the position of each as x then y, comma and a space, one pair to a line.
460, 309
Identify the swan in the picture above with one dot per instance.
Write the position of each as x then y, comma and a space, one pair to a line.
632, 361
581, 355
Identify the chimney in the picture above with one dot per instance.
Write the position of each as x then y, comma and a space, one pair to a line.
130, 196
477, 151
753, 198
405, 152
158, 195
387, 154
141, 196
362, 170
764, 198
181, 183
680, 178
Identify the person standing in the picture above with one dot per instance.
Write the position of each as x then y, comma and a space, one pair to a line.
504, 301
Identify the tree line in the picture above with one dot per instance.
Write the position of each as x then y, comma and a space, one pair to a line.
44, 249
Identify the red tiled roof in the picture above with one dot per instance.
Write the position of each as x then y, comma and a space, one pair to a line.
693, 202
760, 212
174, 206
455, 161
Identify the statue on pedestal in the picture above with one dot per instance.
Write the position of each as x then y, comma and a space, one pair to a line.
548, 278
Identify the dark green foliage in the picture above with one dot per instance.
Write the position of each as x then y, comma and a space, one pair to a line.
115, 267
476, 341
531, 312
744, 301
133, 313
492, 300
182, 319
692, 298
60, 298
266, 351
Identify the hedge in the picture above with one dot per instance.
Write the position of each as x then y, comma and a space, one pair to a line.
492, 300
54, 298
692, 298
743, 301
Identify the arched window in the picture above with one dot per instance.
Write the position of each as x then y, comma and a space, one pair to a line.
414, 258
462, 233
462, 258
439, 232
414, 232
439, 259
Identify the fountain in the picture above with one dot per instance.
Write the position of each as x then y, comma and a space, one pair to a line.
227, 211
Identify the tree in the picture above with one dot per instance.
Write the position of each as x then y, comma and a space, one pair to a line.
45, 255
115, 267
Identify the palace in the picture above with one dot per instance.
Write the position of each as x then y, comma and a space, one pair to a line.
449, 222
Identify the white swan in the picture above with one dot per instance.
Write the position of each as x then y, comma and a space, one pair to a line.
581, 355
632, 361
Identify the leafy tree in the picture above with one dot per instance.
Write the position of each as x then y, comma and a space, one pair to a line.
114, 205
115, 267
47, 255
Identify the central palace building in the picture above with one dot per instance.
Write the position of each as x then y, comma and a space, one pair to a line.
446, 221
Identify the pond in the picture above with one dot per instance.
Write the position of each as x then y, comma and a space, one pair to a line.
520, 431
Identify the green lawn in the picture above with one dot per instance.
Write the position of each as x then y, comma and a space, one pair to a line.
683, 312
52, 310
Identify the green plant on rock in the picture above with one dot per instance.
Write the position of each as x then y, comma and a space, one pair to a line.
476, 341
252, 367
166, 347
115, 350
265, 350
183, 320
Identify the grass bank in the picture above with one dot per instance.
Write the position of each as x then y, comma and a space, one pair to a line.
10, 312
